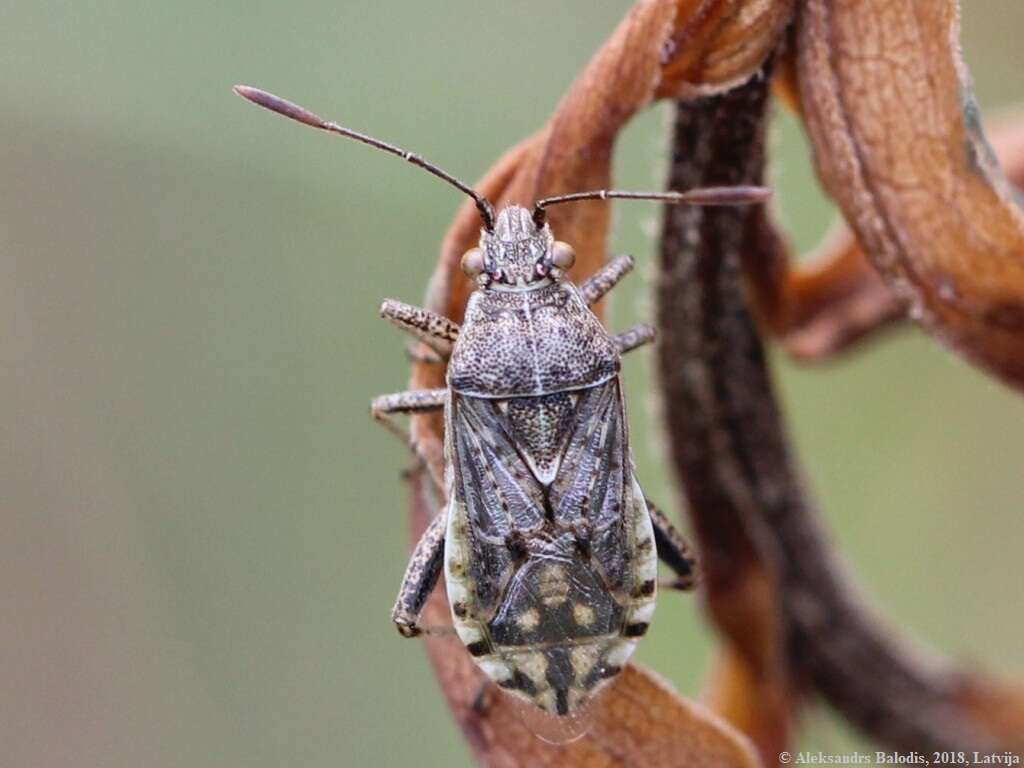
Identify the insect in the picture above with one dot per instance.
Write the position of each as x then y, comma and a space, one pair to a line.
548, 545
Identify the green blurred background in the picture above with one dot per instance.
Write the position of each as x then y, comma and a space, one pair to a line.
202, 530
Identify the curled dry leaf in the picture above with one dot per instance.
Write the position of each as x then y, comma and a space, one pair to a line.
821, 306
750, 685
838, 298
718, 44
640, 721
897, 143
835, 300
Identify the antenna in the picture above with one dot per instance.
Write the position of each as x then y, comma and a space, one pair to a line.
303, 115
739, 195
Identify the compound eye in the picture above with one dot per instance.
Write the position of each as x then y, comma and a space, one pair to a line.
473, 262
562, 255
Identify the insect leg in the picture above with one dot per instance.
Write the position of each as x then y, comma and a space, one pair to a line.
673, 550
383, 407
598, 285
437, 332
633, 338
420, 578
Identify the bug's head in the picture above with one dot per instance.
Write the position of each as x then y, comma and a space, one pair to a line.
517, 250
518, 254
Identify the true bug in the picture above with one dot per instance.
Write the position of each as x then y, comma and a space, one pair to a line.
548, 545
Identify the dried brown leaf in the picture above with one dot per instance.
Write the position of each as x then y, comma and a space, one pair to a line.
718, 44
886, 100
836, 300
822, 306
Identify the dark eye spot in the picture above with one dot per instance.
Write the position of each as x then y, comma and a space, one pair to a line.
610, 670
479, 648
636, 630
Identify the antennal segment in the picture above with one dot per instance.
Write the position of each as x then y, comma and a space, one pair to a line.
739, 195
303, 115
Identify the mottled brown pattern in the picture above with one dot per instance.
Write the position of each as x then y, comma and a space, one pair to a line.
540, 426
530, 343
707, 354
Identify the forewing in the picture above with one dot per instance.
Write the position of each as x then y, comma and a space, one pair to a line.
591, 484
497, 483
497, 489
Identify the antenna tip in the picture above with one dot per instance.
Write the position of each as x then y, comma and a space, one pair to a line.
738, 195
276, 104
759, 194
249, 93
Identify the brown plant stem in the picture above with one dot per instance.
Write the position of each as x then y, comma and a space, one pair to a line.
775, 589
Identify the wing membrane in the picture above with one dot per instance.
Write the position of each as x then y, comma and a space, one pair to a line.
509, 507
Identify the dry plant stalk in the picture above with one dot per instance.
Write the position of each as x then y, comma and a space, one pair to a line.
707, 351
968, 292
